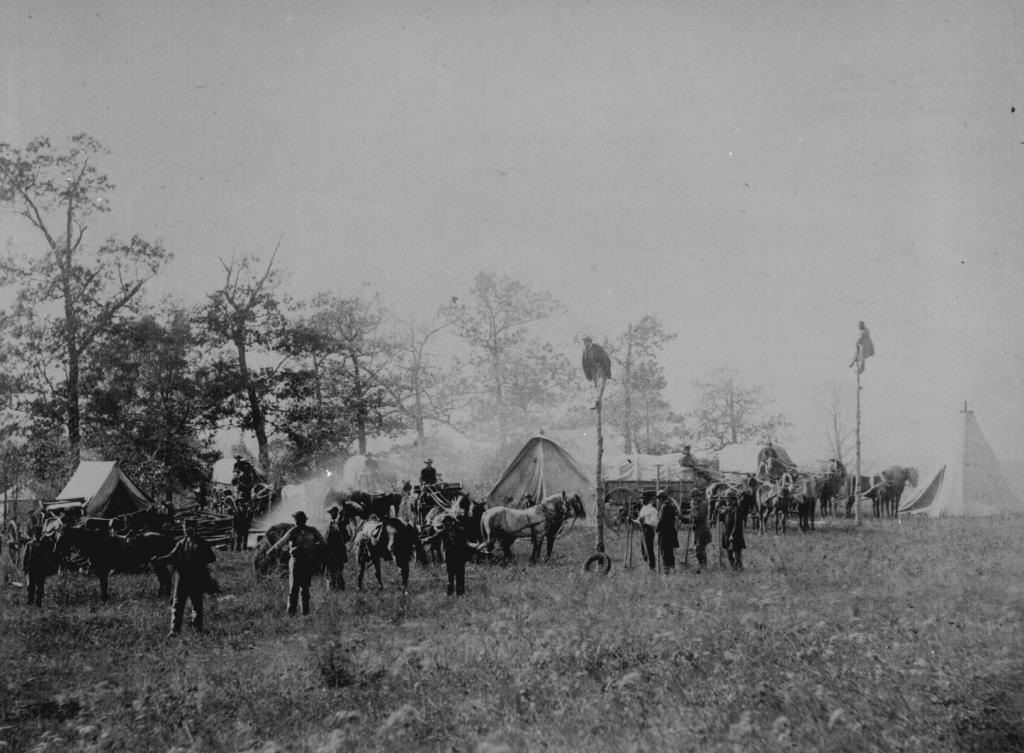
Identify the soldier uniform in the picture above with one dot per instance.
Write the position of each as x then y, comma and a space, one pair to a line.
699, 526
733, 541
668, 538
37, 564
305, 541
337, 553
191, 558
453, 539
241, 519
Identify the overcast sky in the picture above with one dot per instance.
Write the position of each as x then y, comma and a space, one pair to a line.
760, 176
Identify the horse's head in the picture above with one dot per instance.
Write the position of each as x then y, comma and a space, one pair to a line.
570, 507
912, 477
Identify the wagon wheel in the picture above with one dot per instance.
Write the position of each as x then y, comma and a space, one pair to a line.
13, 538
619, 506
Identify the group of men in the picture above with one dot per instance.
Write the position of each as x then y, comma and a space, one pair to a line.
658, 519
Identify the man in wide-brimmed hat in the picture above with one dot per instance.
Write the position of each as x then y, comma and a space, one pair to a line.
668, 537
699, 526
306, 545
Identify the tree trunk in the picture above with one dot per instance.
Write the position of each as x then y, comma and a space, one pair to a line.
259, 423
628, 392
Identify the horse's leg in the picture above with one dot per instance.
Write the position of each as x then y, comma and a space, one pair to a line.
551, 545
104, 576
362, 571
376, 572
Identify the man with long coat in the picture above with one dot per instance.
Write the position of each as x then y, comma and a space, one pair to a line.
700, 527
337, 552
37, 563
733, 541
668, 537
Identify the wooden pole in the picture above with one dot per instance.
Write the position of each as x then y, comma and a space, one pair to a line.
598, 475
856, 483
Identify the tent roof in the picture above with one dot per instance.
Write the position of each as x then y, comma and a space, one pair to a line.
970, 482
102, 489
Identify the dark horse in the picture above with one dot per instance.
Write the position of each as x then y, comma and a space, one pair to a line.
108, 553
816, 490
364, 505
387, 539
538, 523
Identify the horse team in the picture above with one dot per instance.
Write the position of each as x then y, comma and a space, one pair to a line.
769, 499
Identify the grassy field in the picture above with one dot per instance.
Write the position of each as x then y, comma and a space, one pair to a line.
888, 637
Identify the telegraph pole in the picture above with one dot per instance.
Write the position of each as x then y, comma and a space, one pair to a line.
856, 483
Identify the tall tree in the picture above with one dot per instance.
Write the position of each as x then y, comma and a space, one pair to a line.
245, 313
511, 373
838, 434
69, 296
422, 391
730, 411
149, 402
642, 383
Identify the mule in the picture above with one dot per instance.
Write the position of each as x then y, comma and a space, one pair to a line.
539, 523
388, 539
108, 553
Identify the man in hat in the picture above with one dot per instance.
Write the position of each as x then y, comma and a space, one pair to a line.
37, 563
647, 519
241, 520
452, 537
337, 553
191, 557
306, 546
428, 476
244, 477
700, 527
732, 531
668, 537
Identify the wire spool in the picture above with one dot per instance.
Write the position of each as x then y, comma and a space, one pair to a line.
599, 563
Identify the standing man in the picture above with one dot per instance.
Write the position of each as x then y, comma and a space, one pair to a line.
37, 564
699, 526
337, 553
733, 541
191, 557
305, 545
241, 519
648, 520
453, 541
668, 537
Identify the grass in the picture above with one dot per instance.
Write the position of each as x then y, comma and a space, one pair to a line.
887, 637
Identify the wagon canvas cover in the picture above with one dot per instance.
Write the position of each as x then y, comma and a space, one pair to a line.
102, 489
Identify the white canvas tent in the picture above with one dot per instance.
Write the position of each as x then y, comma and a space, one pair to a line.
102, 490
567, 461
970, 482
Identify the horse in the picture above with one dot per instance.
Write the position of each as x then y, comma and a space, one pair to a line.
774, 500
363, 505
109, 552
896, 479
387, 539
540, 522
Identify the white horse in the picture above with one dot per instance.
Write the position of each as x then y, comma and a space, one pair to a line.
540, 522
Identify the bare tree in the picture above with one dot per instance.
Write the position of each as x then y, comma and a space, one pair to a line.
245, 312
838, 434
729, 411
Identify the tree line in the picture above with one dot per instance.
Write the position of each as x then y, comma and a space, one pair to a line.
94, 368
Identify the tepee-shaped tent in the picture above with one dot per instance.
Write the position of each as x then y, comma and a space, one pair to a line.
970, 483
102, 490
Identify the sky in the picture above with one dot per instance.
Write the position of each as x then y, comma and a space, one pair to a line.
760, 176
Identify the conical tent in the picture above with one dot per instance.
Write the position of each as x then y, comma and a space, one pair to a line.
102, 490
970, 482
